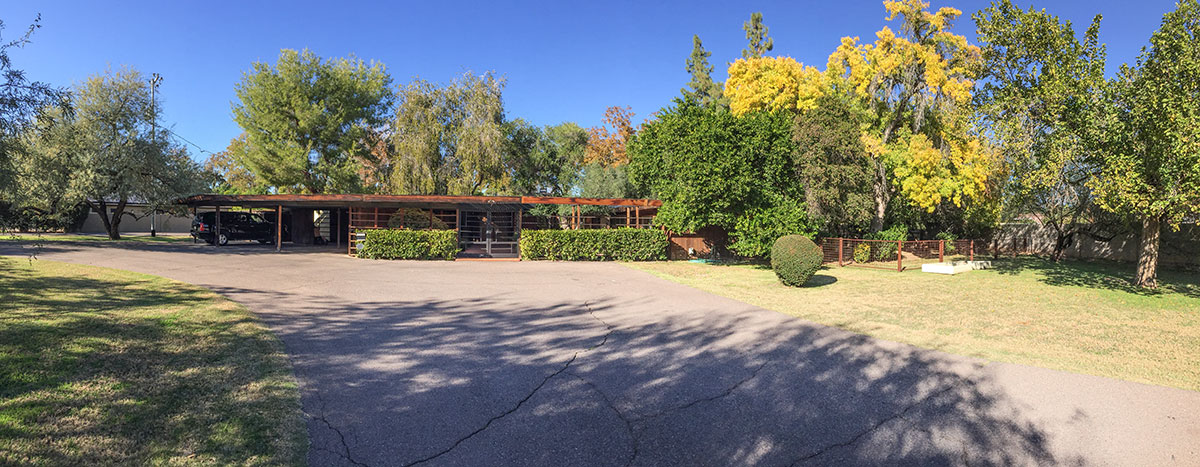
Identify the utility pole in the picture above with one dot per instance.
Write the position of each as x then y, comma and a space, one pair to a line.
155, 78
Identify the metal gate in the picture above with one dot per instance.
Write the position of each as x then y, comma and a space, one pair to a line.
488, 234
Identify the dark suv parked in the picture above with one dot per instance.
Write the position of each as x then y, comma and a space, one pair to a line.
235, 226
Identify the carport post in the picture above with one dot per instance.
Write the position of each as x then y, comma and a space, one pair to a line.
278, 228
217, 228
194, 237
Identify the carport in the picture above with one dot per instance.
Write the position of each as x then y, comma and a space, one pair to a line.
487, 226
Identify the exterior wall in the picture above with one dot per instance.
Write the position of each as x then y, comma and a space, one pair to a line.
1178, 249
137, 219
700, 244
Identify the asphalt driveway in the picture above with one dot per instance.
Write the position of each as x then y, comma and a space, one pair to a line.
538, 363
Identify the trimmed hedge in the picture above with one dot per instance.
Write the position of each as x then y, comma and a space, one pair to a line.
409, 244
624, 244
795, 259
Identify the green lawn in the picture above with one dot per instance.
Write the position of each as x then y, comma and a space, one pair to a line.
1079, 317
106, 367
28, 237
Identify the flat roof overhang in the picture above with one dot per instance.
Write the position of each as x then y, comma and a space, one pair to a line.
314, 201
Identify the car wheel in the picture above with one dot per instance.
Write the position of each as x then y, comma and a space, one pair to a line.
223, 240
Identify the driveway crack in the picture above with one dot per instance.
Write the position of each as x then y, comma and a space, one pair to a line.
723, 394
527, 397
633, 439
873, 427
345, 452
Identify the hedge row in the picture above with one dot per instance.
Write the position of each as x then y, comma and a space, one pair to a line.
622, 244
409, 244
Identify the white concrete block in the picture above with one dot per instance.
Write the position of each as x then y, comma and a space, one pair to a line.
955, 267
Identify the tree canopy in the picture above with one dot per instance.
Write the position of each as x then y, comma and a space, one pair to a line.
306, 119
1151, 168
713, 169
1042, 98
20, 100
450, 139
107, 153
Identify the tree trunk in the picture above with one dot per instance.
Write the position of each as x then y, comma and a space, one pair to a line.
114, 227
1147, 267
101, 209
1060, 245
880, 190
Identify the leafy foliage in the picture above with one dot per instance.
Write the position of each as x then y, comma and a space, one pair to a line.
105, 154
772, 83
886, 251
862, 253
834, 166
606, 143
409, 244
20, 100
306, 119
1151, 169
543, 161
231, 177
624, 244
450, 139
795, 259
916, 84
756, 232
1043, 99
713, 169
416, 219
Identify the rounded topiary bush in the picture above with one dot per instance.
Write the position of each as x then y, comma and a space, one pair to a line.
795, 259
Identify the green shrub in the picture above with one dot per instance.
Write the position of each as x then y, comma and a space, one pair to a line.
795, 259
409, 244
416, 219
886, 251
755, 232
594, 245
949, 239
862, 253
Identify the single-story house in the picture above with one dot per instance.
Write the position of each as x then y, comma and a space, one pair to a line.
487, 226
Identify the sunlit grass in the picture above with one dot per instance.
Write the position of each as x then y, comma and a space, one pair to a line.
106, 367
1079, 317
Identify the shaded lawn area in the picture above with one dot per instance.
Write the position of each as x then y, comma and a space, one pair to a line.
107, 367
1075, 316
28, 237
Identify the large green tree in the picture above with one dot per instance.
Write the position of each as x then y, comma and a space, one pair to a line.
107, 153
450, 139
543, 161
230, 176
834, 167
701, 88
1042, 98
713, 169
306, 119
20, 100
1151, 169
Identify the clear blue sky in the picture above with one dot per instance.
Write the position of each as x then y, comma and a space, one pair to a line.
564, 60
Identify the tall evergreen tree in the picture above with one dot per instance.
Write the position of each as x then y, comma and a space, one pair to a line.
756, 32
703, 90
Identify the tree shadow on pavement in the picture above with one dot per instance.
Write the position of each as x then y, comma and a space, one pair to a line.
497, 381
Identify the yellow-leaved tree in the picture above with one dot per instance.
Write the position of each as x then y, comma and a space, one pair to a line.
914, 84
